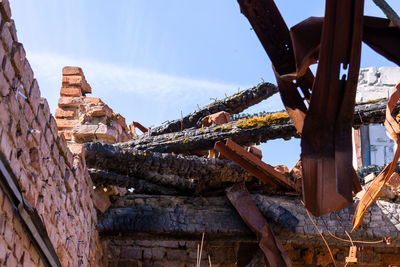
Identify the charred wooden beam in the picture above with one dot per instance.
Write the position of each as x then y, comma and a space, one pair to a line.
233, 104
184, 173
102, 178
246, 131
186, 218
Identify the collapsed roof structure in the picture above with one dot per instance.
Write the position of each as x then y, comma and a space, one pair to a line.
319, 109
84, 189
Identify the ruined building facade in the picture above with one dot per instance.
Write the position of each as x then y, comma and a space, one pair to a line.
64, 204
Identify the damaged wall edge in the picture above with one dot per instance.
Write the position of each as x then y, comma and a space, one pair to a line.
28, 216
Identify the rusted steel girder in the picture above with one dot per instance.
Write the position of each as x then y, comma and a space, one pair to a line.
326, 139
378, 33
326, 130
253, 165
274, 35
241, 199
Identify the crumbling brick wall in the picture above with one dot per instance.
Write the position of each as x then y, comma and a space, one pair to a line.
82, 119
52, 179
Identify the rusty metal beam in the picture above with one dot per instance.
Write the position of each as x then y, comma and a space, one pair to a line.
253, 164
274, 35
241, 199
326, 139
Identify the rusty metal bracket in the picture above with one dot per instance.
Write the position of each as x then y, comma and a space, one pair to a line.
274, 251
253, 164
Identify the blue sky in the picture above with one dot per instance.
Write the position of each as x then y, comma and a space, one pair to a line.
151, 60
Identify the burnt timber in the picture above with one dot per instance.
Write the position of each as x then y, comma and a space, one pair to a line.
233, 105
243, 133
185, 174
147, 217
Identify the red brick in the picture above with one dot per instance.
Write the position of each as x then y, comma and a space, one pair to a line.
34, 96
70, 70
6, 146
4, 86
73, 80
69, 181
27, 261
86, 133
5, 10
66, 113
27, 75
11, 261
11, 26
65, 123
18, 54
70, 91
18, 249
66, 134
28, 114
64, 102
3, 250
218, 118
6, 38
44, 105
92, 100
44, 149
9, 236
4, 115
53, 126
99, 111
77, 149
8, 69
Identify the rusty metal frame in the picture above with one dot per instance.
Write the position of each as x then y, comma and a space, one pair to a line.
326, 138
274, 35
254, 165
274, 252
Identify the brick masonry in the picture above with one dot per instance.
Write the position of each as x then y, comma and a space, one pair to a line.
52, 178
81, 119
46, 156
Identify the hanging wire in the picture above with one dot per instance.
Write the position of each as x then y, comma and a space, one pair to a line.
323, 238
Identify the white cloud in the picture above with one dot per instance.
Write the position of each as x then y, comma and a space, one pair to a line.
137, 94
